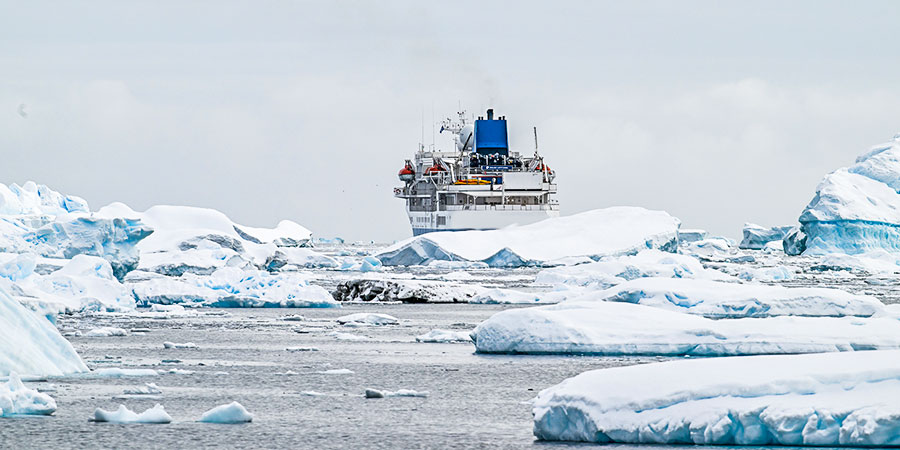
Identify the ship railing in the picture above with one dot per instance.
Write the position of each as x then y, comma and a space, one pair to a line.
541, 207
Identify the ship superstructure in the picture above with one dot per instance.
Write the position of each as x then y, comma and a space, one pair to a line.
480, 184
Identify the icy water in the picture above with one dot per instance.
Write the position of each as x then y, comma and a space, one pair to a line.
473, 400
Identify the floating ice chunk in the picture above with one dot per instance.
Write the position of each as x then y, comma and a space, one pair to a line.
445, 336
375, 319
146, 389
106, 332
756, 237
31, 345
348, 336
602, 232
16, 399
812, 400
686, 236
156, 414
231, 413
767, 274
118, 372
614, 328
168, 344
170, 309
366, 264
301, 349
336, 372
374, 393
711, 247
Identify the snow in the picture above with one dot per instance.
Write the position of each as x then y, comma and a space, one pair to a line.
445, 336
597, 233
286, 234
17, 399
231, 287
856, 209
231, 413
31, 345
156, 414
593, 326
168, 344
756, 237
838, 399
106, 332
375, 319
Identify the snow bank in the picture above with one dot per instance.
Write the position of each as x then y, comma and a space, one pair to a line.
156, 414
231, 413
231, 287
856, 209
814, 400
31, 345
602, 232
615, 328
756, 237
16, 399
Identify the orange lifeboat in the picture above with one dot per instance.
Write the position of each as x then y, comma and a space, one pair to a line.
407, 173
434, 170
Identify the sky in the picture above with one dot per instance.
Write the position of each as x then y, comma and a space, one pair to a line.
718, 112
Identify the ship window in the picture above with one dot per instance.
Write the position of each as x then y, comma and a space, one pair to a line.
441, 220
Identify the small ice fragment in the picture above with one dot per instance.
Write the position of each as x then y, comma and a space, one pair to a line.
336, 372
375, 319
168, 344
156, 414
147, 389
233, 412
301, 349
445, 336
374, 393
106, 332
118, 372
348, 336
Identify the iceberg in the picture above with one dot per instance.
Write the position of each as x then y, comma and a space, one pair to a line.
838, 399
16, 399
231, 413
756, 237
597, 233
31, 345
686, 236
856, 209
156, 415
230, 287
637, 318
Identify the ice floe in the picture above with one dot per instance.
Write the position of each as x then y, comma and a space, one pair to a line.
602, 232
374, 319
407, 291
230, 413
445, 336
676, 326
154, 415
168, 344
838, 399
375, 393
17, 399
106, 332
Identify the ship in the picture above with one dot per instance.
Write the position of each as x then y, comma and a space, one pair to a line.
480, 184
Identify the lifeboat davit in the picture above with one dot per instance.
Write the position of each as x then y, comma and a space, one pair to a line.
434, 170
407, 173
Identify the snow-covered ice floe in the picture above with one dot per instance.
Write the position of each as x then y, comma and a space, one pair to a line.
17, 399
407, 291
375, 393
168, 344
106, 332
445, 336
638, 318
119, 372
230, 413
602, 232
155, 415
836, 399
230, 287
856, 209
374, 319
31, 345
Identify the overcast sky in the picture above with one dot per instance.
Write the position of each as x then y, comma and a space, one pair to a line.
717, 112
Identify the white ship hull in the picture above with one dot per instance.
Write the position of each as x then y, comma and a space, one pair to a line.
475, 219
